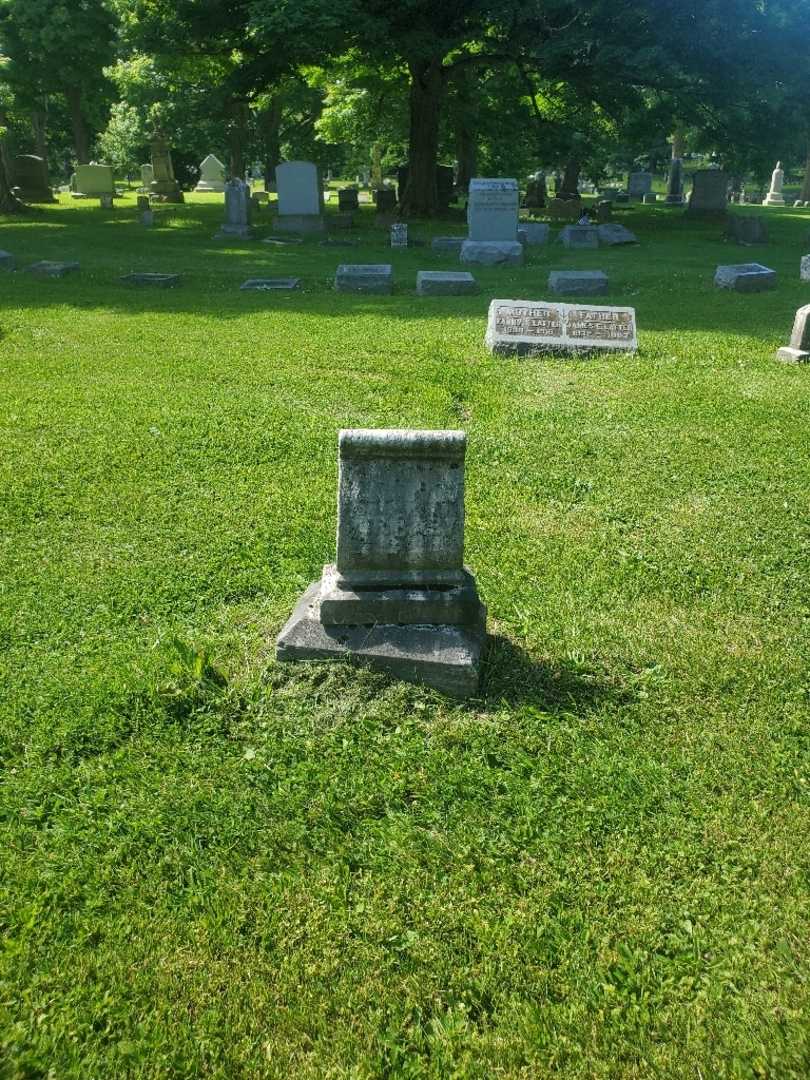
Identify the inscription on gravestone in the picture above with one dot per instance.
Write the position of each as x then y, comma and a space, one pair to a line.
526, 327
399, 235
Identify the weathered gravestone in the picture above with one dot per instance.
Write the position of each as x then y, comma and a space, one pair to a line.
212, 175
639, 184
375, 278
94, 181
675, 183
804, 268
238, 211
535, 232
348, 199
106, 202
492, 218
798, 352
649, 198
445, 283
398, 597
159, 281
614, 235
386, 200
775, 196
7, 261
745, 277
447, 243
531, 327
147, 176
578, 282
580, 236
746, 229
164, 186
564, 209
270, 284
300, 197
28, 179
536, 193
709, 193
399, 235
48, 268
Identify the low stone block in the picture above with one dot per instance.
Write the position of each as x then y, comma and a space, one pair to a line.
614, 235
649, 197
445, 283
7, 261
448, 243
300, 223
270, 284
376, 278
492, 252
53, 269
536, 233
578, 282
745, 277
160, 281
147, 217
804, 268
585, 237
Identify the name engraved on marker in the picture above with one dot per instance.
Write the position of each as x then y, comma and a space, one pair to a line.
526, 325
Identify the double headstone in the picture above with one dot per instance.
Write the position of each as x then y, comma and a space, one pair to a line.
398, 597
492, 219
212, 175
300, 197
238, 210
531, 327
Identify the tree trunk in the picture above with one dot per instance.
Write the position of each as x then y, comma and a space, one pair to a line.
376, 166
237, 138
8, 204
38, 124
804, 195
421, 197
466, 128
678, 143
570, 180
81, 136
270, 129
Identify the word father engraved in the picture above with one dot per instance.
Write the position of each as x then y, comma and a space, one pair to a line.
526, 326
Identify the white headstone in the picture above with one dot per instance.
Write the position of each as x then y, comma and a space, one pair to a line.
399, 235
95, 180
300, 191
212, 175
492, 209
525, 327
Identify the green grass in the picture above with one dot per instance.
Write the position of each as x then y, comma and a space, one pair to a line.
213, 865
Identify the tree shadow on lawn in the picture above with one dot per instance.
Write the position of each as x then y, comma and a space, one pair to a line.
510, 675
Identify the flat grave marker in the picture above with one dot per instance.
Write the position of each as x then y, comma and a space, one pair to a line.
270, 284
529, 327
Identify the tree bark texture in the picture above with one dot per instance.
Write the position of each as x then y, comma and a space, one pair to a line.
270, 129
81, 136
570, 180
428, 79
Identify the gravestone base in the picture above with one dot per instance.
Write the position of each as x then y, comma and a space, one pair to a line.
615, 235
243, 232
269, 284
452, 244
578, 282
300, 223
445, 283
792, 356
165, 191
536, 232
375, 278
444, 656
492, 252
53, 269
580, 237
772, 199
34, 195
160, 281
674, 200
216, 187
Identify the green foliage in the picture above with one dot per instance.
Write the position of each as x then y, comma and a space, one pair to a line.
121, 142
596, 869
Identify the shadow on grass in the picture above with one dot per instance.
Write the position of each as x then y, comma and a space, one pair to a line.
511, 676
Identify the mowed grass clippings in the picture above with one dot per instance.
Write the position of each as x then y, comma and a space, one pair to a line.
214, 865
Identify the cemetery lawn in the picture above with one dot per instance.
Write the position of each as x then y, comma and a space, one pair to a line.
214, 865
